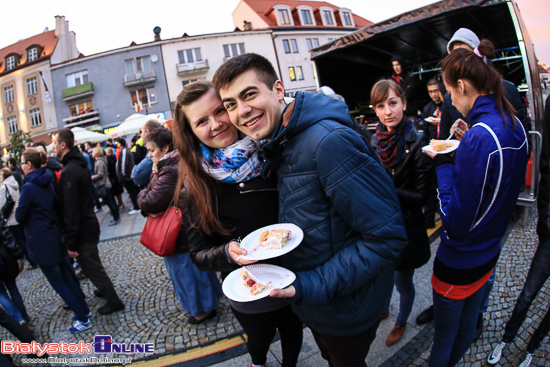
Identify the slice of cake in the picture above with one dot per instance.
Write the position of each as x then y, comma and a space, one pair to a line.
274, 239
254, 286
440, 145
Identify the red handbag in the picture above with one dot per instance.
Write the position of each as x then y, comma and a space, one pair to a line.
161, 232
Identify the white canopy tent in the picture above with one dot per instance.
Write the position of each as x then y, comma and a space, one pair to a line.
132, 124
82, 136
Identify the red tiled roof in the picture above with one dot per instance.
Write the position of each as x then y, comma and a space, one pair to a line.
46, 40
264, 8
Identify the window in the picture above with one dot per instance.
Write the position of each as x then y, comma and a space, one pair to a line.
311, 43
284, 19
35, 117
327, 17
330, 39
306, 17
286, 45
294, 45
80, 108
32, 54
8, 94
77, 78
32, 87
233, 49
299, 73
189, 56
185, 82
12, 124
347, 18
291, 73
146, 96
10, 62
138, 65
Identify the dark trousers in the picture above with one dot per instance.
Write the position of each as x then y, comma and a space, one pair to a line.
95, 197
14, 303
261, 328
63, 280
19, 237
109, 200
91, 265
537, 276
133, 192
346, 351
18, 331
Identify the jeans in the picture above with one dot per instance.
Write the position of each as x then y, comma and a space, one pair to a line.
14, 305
537, 276
63, 280
404, 284
488, 289
455, 327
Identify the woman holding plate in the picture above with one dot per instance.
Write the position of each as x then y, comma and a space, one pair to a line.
399, 148
478, 190
231, 196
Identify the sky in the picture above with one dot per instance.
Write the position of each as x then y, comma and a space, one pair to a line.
104, 25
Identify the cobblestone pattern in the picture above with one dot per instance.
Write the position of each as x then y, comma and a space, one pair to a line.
511, 272
152, 314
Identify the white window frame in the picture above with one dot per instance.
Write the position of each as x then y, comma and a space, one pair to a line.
10, 62
345, 15
294, 45
140, 65
286, 46
233, 49
312, 43
150, 93
291, 72
299, 73
36, 119
77, 78
32, 86
32, 54
12, 124
308, 9
8, 94
325, 12
183, 55
283, 21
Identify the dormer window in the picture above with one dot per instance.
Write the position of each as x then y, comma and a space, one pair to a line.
10, 62
32, 54
306, 15
327, 15
284, 15
346, 18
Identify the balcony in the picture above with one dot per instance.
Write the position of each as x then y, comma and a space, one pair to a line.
76, 92
141, 78
87, 118
192, 68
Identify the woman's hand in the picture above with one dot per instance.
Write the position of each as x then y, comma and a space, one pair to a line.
459, 128
235, 251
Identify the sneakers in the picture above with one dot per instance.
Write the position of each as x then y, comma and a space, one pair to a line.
495, 355
114, 222
109, 308
134, 211
527, 361
395, 334
79, 326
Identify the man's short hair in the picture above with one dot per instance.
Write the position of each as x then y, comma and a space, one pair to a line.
151, 125
65, 136
432, 81
122, 142
12, 161
240, 64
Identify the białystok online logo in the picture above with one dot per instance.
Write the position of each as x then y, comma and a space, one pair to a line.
101, 344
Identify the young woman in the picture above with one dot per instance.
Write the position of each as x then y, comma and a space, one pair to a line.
36, 214
103, 185
116, 187
232, 197
197, 291
399, 149
477, 191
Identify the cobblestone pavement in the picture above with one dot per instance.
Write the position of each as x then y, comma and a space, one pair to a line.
153, 315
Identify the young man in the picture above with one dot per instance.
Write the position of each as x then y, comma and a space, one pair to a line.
332, 186
408, 82
432, 111
124, 166
81, 234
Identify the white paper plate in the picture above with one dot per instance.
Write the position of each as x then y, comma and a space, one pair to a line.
452, 148
271, 275
255, 252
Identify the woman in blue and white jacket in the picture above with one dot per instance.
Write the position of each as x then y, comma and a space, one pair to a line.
477, 191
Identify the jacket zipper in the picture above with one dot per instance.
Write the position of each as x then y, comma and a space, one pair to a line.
260, 190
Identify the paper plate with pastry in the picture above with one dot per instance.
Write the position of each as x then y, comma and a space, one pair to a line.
255, 281
433, 120
272, 241
441, 146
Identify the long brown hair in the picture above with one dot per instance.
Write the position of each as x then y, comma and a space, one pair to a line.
464, 64
191, 173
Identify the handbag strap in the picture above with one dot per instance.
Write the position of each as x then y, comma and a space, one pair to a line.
7, 192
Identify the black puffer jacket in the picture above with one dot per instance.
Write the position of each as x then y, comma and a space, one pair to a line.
411, 177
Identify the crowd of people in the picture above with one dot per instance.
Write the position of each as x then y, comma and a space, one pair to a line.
238, 158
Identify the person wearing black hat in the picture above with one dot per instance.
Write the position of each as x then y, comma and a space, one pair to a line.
408, 83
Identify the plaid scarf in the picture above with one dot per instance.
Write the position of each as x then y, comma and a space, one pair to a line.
390, 143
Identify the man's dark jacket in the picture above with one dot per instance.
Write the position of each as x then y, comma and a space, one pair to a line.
75, 192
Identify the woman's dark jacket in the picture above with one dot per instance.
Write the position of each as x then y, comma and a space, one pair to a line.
411, 177
158, 195
36, 214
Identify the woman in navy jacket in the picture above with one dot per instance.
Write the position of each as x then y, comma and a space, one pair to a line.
36, 214
477, 191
